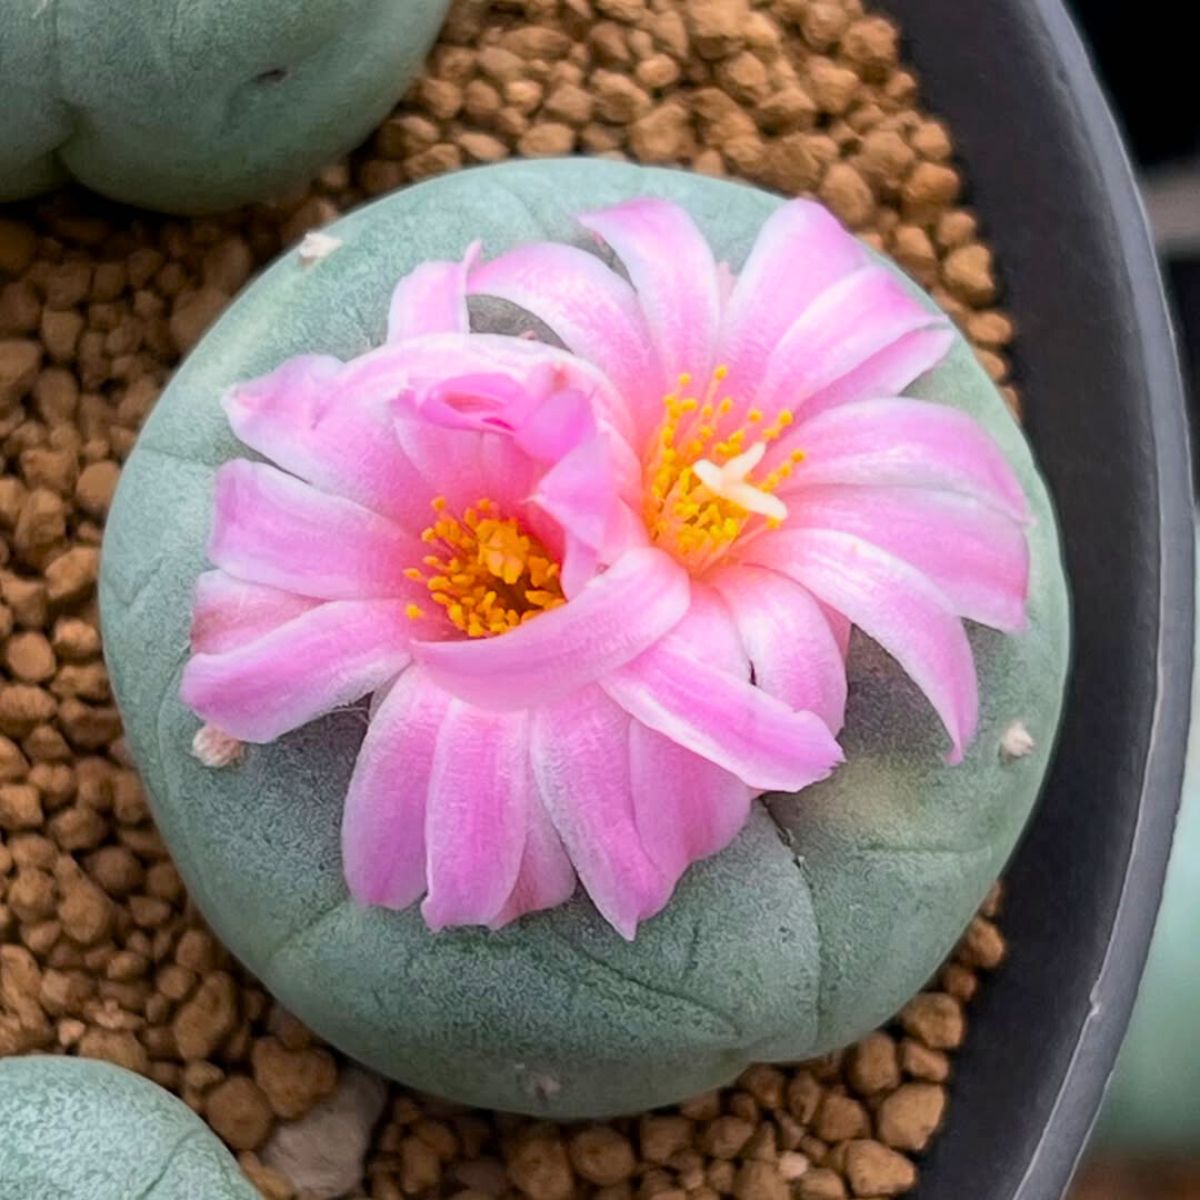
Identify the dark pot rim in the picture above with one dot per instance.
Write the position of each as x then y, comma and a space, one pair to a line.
1098, 372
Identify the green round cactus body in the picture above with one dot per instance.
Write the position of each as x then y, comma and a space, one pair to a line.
195, 107
73, 1129
824, 916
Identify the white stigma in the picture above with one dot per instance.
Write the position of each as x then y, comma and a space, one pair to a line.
729, 482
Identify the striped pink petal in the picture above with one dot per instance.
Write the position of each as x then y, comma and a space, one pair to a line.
590, 308
546, 877
274, 529
672, 270
684, 807
974, 554
432, 299
724, 719
581, 764
800, 252
480, 784
855, 341
329, 656
896, 605
795, 654
906, 443
228, 613
313, 418
383, 823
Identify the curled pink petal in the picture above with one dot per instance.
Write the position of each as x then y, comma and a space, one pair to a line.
974, 554
482, 402
578, 493
685, 809
543, 419
423, 362
311, 417
580, 761
838, 336
906, 443
464, 466
272, 528
675, 276
589, 307
432, 299
612, 620
794, 652
800, 252
329, 656
562, 423
897, 606
228, 613
480, 786
383, 823
766, 744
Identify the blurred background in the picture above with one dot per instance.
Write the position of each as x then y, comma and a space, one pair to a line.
1147, 1142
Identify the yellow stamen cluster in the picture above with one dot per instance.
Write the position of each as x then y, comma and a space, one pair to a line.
486, 572
699, 519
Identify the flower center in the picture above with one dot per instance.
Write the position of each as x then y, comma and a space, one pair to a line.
700, 497
486, 572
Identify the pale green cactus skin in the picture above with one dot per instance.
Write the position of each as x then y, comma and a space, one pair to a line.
73, 1129
197, 105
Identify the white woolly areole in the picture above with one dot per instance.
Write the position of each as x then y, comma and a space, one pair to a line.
215, 748
316, 246
1017, 741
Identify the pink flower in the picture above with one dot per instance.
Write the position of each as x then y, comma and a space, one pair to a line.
601, 594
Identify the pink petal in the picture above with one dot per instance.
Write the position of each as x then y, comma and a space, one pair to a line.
612, 620
543, 420
897, 606
709, 624
672, 269
590, 308
272, 528
795, 655
319, 420
840, 627
887, 372
848, 334
546, 878
906, 443
581, 763
579, 494
432, 299
327, 657
977, 556
464, 466
685, 808
480, 786
436, 358
800, 251
228, 613
383, 822
725, 719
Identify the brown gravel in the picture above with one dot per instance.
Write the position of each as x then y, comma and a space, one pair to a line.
100, 952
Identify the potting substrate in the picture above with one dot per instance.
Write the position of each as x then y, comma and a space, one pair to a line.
102, 955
